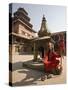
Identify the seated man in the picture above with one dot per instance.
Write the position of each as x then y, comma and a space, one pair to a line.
50, 61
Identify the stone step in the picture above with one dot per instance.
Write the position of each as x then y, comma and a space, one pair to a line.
34, 65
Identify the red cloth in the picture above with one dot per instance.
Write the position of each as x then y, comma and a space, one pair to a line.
52, 63
61, 45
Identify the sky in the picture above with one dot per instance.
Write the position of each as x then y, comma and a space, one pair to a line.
55, 15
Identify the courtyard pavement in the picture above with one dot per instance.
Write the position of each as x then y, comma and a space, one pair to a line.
24, 76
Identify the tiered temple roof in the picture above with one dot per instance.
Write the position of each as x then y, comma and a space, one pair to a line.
43, 30
22, 16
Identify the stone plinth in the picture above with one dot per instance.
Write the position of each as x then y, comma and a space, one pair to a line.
34, 65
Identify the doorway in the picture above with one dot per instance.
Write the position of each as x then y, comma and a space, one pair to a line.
41, 50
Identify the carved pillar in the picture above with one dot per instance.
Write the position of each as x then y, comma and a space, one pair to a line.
35, 52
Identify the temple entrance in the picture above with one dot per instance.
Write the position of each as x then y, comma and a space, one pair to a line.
41, 51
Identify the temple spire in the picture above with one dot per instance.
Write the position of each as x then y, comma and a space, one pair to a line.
43, 18
43, 29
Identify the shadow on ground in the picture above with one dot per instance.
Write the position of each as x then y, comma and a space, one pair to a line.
30, 78
31, 74
16, 66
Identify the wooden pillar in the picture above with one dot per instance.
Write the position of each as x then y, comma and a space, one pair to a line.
35, 52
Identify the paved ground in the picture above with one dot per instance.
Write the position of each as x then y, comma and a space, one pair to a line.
26, 76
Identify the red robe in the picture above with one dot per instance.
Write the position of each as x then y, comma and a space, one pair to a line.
52, 63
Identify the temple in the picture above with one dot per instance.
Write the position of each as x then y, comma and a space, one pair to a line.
21, 33
41, 42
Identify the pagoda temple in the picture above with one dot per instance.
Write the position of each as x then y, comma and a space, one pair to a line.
21, 33
41, 42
